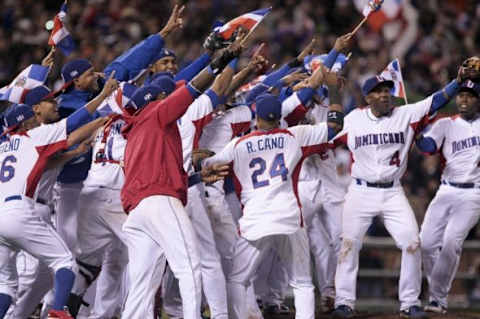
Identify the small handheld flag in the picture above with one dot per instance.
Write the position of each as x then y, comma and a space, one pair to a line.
248, 21
372, 6
60, 37
34, 75
393, 72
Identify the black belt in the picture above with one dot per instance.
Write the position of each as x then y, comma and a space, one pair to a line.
19, 197
376, 185
461, 185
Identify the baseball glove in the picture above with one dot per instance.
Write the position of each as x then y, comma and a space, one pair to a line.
471, 69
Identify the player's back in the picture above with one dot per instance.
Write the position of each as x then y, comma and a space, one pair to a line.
266, 168
23, 158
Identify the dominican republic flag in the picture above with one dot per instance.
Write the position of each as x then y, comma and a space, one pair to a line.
33, 76
393, 72
371, 6
60, 37
312, 62
248, 20
379, 12
118, 100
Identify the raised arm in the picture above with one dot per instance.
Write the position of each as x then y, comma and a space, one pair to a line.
130, 64
85, 131
84, 114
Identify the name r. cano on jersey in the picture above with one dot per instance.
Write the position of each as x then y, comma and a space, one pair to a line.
265, 144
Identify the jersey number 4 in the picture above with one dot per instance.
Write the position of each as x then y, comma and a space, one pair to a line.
276, 169
7, 171
395, 160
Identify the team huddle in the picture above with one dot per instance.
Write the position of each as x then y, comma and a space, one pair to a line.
216, 186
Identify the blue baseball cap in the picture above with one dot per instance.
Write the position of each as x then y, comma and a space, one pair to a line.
17, 113
36, 95
470, 87
74, 69
164, 53
165, 83
144, 95
268, 107
373, 82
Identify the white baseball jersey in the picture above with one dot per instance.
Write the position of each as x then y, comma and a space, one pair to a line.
458, 141
190, 126
266, 166
331, 190
224, 127
23, 158
108, 154
380, 146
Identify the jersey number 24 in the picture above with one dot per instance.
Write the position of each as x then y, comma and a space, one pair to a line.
277, 168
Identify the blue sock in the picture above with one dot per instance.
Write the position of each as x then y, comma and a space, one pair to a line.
5, 302
63, 285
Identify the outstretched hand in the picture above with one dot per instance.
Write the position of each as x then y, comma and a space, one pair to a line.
174, 22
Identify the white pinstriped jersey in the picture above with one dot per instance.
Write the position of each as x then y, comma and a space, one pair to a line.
380, 146
458, 141
23, 158
266, 166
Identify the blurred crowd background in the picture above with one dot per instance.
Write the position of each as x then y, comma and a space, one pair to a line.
430, 38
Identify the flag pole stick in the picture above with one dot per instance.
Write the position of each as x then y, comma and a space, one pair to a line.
358, 26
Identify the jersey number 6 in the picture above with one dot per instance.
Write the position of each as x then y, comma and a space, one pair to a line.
7, 171
276, 169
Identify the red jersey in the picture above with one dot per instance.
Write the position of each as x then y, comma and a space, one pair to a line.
153, 155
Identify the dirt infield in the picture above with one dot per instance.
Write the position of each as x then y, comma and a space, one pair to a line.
450, 315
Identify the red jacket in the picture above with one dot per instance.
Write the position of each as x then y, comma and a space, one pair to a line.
153, 155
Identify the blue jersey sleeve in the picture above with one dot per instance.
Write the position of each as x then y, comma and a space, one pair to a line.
190, 71
133, 61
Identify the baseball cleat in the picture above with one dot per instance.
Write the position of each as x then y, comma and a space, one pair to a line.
435, 307
327, 303
280, 309
343, 311
413, 312
59, 314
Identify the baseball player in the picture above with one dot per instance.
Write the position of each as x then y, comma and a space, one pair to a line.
19, 190
34, 278
154, 194
271, 216
448, 220
190, 126
379, 137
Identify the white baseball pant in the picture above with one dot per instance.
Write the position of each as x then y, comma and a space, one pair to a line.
224, 227
23, 229
271, 279
158, 229
449, 218
293, 249
213, 278
34, 278
67, 213
362, 203
100, 243
321, 244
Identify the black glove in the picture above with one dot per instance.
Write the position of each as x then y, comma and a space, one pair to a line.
215, 41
